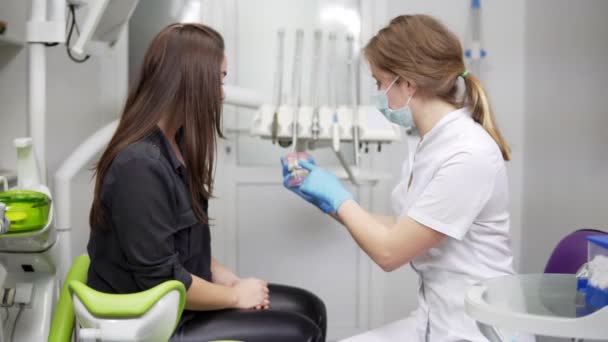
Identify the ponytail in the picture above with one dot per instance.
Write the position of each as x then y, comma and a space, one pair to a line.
478, 101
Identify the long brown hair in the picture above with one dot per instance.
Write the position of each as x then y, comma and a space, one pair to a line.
180, 81
421, 49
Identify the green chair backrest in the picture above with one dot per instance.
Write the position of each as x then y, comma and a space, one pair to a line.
132, 305
103, 304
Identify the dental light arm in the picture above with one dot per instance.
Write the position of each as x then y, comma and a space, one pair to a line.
105, 21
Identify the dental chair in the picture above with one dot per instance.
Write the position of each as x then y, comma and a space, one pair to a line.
150, 315
85, 315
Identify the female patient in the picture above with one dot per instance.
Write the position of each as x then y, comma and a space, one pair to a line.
149, 217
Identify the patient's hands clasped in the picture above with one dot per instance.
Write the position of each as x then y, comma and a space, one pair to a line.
252, 293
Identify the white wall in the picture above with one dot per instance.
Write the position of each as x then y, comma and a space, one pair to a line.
13, 64
566, 159
148, 19
80, 99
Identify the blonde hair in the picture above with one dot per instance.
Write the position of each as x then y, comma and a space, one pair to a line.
421, 49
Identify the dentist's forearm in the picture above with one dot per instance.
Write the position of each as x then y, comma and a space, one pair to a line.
387, 221
337, 218
370, 234
390, 246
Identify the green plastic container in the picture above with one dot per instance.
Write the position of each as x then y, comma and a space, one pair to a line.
26, 210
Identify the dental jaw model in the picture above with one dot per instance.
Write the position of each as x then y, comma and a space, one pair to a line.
298, 173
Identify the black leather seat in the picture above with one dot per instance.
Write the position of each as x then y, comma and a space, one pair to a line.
294, 315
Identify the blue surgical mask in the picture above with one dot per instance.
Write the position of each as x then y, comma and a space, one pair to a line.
401, 116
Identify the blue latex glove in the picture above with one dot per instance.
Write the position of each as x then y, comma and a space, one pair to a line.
325, 207
324, 187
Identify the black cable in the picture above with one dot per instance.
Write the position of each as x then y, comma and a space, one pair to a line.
69, 39
71, 18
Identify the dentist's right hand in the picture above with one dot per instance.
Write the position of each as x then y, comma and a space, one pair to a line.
324, 187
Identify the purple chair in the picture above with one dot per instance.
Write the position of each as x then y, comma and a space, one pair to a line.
571, 252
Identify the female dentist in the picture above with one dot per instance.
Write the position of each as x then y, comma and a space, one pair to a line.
451, 212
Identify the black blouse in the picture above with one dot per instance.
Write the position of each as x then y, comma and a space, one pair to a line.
154, 234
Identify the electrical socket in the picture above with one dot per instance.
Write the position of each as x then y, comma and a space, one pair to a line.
23, 293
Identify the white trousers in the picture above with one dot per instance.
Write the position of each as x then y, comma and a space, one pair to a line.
407, 330
402, 330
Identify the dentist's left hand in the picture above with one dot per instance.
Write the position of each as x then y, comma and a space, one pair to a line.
325, 207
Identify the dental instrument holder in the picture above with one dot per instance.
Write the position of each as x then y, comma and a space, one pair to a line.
352, 81
278, 83
368, 133
317, 126
296, 86
314, 88
333, 100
